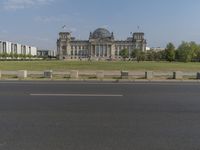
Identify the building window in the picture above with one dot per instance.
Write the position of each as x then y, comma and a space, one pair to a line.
30, 50
15, 48
4, 47
12, 48
76, 53
24, 50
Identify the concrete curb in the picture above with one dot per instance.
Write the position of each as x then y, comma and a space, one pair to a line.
105, 80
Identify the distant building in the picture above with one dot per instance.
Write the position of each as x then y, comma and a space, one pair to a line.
157, 49
15, 48
148, 48
101, 45
46, 53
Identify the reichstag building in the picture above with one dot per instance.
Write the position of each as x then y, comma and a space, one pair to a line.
101, 45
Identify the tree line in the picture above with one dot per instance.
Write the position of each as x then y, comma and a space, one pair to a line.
186, 52
11, 55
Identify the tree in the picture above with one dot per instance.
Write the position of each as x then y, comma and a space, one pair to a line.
11, 55
1, 55
22, 56
170, 52
184, 52
29, 56
4, 55
198, 56
16, 55
124, 53
139, 55
195, 50
160, 55
150, 55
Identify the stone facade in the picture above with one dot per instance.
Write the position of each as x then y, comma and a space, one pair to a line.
101, 45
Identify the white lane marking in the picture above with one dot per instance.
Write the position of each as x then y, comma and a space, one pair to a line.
79, 95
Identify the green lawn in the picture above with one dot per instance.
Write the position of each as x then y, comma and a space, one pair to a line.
85, 65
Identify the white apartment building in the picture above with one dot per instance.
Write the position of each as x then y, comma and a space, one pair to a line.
15, 48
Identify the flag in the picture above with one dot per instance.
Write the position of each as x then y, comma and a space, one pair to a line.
138, 27
64, 27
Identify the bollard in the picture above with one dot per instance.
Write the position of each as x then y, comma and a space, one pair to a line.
22, 74
100, 74
74, 74
198, 75
149, 75
48, 74
177, 75
124, 74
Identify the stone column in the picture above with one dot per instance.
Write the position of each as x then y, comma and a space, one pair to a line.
112, 51
90, 51
108, 51
80, 53
99, 50
96, 47
95, 50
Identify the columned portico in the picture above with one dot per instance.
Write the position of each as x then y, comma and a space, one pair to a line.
101, 50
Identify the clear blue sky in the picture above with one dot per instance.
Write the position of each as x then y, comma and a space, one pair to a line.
37, 22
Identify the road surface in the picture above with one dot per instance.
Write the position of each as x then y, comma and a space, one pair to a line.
99, 116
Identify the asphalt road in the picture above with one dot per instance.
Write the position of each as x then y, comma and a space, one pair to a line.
99, 116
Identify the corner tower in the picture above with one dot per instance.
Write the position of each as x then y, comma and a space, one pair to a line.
63, 44
139, 42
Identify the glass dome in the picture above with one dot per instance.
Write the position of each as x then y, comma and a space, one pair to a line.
101, 33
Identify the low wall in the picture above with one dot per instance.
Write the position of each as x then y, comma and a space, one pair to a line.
101, 74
